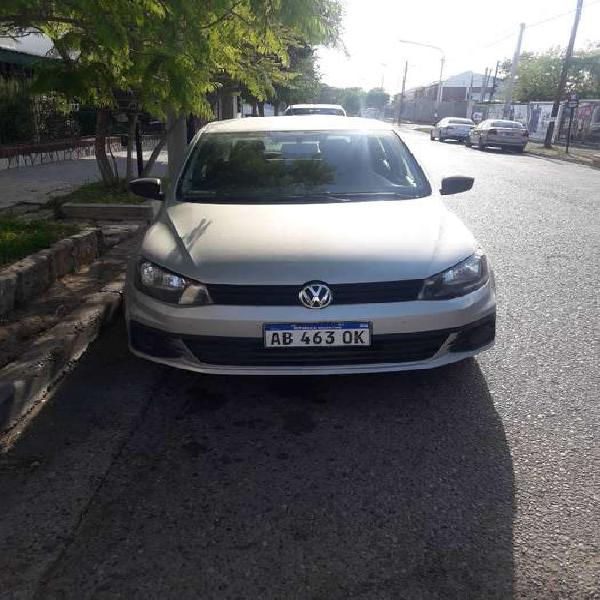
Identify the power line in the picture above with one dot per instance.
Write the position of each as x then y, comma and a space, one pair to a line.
570, 12
536, 24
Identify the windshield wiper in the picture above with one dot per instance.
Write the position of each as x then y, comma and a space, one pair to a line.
295, 198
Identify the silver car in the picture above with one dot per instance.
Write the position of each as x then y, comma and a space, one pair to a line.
507, 135
451, 128
306, 246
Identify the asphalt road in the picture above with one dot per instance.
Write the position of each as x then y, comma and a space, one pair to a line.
475, 481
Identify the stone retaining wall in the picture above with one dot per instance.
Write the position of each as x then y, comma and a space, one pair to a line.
29, 277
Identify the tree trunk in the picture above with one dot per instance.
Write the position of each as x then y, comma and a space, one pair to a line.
132, 119
254, 110
276, 108
261, 109
150, 164
139, 151
176, 143
104, 166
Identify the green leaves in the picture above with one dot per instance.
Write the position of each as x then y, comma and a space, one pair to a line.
168, 54
538, 74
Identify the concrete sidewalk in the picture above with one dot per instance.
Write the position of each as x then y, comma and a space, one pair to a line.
584, 156
38, 184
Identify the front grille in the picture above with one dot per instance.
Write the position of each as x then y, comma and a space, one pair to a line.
250, 352
343, 293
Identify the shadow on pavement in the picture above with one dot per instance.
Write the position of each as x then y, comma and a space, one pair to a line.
373, 487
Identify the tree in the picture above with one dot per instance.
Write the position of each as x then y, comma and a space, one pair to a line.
352, 99
165, 56
377, 98
299, 81
538, 74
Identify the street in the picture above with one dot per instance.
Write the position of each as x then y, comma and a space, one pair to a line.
474, 481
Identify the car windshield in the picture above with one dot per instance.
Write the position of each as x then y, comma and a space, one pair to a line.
314, 111
300, 166
461, 121
507, 124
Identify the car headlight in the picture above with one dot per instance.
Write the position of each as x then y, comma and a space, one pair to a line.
459, 280
169, 287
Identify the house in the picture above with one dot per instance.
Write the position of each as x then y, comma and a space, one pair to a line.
464, 86
18, 55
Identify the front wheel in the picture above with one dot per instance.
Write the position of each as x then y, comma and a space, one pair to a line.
481, 146
441, 138
468, 143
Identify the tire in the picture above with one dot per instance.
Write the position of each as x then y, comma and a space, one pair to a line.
520, 149
431, 136
441, 138
468, 143
481, 146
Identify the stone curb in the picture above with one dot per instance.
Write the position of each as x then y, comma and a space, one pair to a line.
24, 382
34, 274
108, 212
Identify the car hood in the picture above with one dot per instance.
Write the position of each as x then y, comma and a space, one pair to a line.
337, 242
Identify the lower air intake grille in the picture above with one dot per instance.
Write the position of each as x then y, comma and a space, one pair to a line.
393, 348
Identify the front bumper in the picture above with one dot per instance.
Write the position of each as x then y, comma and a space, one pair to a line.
228, 339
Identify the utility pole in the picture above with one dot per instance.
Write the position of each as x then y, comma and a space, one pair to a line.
494, 81
563, 76
401, 103
441, 83
513, 72
483, 87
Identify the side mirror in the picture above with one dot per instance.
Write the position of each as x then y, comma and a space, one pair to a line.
456, 185
147, 187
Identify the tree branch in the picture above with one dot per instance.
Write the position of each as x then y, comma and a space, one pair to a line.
230, 13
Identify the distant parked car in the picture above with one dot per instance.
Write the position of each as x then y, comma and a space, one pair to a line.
452, 128
370, 112
507, 135
315, 109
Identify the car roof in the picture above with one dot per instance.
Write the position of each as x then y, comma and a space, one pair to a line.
501, 121
505, 121
315, 106
308, 123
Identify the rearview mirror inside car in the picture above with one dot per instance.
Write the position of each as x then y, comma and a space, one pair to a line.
456, 185
147, 187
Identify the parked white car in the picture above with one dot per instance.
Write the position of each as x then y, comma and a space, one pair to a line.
306, 246
314, 109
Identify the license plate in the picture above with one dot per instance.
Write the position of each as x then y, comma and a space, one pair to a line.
317, 335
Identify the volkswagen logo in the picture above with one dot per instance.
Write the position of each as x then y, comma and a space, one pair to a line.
315, 295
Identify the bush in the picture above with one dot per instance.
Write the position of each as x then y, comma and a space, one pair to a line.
28, 117
20, 238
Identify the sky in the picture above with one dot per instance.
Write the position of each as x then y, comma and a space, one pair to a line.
473, 35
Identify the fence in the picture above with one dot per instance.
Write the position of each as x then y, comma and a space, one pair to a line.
423, 110
585, 127
17, 155
533, 115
